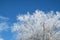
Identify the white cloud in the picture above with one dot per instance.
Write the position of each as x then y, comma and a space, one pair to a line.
1, 39
3, 26
3, 23
3, 19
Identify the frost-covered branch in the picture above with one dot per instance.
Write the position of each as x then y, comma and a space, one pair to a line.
38, 26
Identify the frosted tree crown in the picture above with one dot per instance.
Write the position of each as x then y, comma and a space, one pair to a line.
38, 26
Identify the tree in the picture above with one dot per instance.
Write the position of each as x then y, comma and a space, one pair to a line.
38, 26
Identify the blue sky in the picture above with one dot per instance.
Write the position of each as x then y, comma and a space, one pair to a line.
11, 8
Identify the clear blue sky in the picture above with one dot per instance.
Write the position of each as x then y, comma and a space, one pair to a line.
11, 8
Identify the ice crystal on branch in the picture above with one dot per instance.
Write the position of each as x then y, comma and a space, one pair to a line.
38, 26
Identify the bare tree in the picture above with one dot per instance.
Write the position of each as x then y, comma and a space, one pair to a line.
38, 26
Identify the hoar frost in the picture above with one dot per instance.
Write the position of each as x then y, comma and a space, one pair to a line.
38, 26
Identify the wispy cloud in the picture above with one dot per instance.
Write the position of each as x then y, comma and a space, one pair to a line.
1, 39
3, 19
3, 26
3, 23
